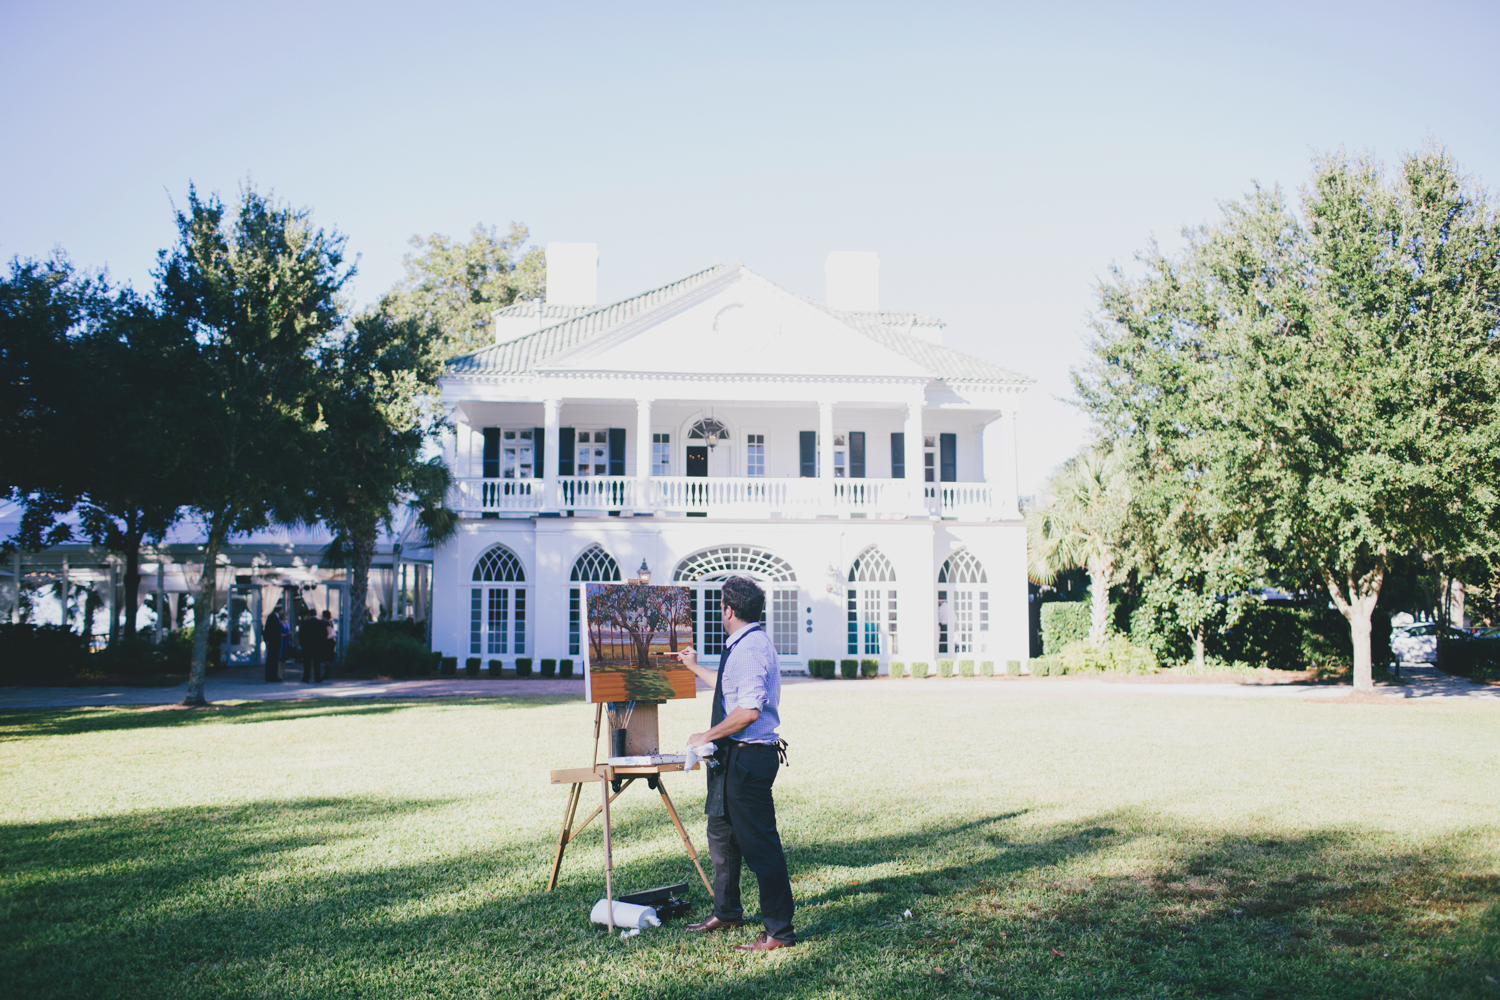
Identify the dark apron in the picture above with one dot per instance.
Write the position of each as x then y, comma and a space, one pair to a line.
713, 801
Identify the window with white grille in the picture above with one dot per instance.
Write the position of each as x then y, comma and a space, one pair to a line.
963, 611
497, 608
593, 565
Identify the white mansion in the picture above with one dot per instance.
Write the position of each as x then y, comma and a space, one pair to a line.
840, 455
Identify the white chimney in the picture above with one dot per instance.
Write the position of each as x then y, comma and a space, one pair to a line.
573, 274
853, 278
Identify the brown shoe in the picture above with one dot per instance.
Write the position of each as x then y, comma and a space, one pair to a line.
764, 942
714, 924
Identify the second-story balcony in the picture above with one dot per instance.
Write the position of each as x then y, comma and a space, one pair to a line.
731, 497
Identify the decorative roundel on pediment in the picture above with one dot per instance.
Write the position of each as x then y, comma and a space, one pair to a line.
735, 320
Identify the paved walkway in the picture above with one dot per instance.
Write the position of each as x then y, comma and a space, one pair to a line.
245, 684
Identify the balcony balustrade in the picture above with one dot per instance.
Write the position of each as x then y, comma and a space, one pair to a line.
737, 497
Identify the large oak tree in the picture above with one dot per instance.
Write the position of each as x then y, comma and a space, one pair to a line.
1331, 375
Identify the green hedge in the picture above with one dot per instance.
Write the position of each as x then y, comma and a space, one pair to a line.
565, 669
966, 668
388, 653
1064, 623
523, 666
450, 666
822, 669
472, 664
496, 669
945, 668
898, 668
1046, 666
919, 670
848, 668
1117, 655
549, 667
1013, 668
869, 668
987, 668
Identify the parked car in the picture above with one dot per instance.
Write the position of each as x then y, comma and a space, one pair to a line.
1418, 643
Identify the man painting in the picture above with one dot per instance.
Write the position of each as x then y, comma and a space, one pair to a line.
741, 811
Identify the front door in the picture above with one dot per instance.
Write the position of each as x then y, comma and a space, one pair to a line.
697, 460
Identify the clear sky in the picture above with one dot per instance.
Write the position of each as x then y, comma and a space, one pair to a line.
998, 157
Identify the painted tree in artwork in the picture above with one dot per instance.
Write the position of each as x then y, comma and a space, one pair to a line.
677, 614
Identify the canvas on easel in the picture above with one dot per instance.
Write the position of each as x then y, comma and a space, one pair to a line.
633, 631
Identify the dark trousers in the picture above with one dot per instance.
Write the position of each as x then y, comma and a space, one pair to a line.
273, 662
747, 831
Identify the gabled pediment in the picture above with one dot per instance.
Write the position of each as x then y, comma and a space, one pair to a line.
738, 323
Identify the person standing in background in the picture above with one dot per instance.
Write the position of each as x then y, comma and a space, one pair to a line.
272, 636
330, 644
310, 636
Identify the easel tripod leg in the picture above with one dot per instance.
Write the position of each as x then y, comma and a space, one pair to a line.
661, 786
569, 811
609, 862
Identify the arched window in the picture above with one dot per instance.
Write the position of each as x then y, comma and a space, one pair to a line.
593, 565
703, 570
497, 610
871, 598
729, 560
499, 564
963, 610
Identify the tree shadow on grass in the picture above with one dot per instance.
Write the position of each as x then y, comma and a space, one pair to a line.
28, 723
305, 899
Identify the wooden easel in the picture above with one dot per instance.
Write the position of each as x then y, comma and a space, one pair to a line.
644, 742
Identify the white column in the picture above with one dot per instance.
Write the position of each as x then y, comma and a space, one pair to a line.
825, 440
1000, 464
644, 500
914, 473
62, 593
161, 589
550, 417
465, 448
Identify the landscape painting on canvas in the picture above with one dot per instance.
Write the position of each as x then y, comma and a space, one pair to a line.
633, 630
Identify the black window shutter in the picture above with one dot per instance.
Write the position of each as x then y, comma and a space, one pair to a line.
948, 458
809, 454
617, 451
856, 454
538, 452
898, 455
491, 453
565, 450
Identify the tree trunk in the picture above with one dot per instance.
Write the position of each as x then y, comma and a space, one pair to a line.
1099, 574
1357, 606
1198, 659
203, 613
132, 555
1456, 596
362, 553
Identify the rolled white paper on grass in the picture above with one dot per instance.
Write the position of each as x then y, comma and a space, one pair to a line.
626, 915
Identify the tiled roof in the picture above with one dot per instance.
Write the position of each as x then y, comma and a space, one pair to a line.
893, 330
525, 354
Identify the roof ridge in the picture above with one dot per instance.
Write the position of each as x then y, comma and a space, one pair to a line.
569, 332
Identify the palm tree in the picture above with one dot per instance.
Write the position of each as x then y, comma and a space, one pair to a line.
1079, 524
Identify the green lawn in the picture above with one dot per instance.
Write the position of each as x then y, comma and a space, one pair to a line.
1048, 844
